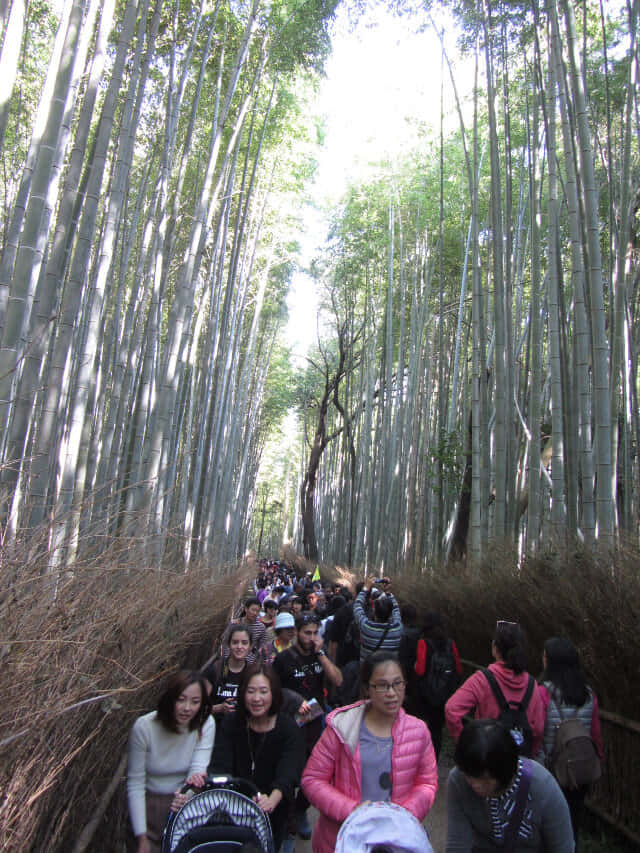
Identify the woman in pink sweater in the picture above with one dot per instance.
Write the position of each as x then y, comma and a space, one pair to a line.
475, 697
370, 751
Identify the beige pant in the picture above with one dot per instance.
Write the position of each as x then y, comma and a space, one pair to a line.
157, 814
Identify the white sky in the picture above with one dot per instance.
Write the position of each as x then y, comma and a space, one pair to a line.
377, 77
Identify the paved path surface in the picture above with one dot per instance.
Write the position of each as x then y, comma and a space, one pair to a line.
436, 821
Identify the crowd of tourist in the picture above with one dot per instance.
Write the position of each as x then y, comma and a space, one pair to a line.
337, 698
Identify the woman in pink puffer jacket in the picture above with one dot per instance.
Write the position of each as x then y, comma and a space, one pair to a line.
370, 751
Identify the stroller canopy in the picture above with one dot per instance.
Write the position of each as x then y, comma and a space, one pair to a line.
217, 819
384, 825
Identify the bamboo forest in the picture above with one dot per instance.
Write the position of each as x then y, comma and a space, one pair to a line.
246, 314
473, 375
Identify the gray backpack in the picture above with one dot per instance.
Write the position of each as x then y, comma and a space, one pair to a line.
574, 758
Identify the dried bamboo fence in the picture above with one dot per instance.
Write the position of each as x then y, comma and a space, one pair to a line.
83, 653
615, 799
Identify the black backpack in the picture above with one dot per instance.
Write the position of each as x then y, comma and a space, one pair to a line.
441, 680
513, 715
349, 690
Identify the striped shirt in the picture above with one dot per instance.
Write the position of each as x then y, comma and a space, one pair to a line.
377, 636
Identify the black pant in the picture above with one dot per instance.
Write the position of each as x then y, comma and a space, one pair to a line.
278, 820
434, 718
435, 721
312, 732
575, 801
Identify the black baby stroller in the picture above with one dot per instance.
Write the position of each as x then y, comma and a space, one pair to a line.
219, 818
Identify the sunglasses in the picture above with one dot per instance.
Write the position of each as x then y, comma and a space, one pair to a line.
501, 623
310, 617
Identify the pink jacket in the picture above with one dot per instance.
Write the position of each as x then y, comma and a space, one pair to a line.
475, 696
332, 781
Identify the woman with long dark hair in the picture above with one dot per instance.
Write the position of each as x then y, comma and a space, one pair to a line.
223, 676
260, 743
509, 671
565, 694
167, 747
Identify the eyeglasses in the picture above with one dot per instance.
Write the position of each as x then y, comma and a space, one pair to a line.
501, 623
385, 686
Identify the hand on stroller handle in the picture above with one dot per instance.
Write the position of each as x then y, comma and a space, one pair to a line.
234, 783
269, 802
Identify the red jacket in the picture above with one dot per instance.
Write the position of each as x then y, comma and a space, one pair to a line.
475, 697
332, 781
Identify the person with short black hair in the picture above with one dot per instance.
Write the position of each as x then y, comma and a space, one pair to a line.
297, 605
303, 668
510, 672
334, 604
498, 800
166, 747
270, 608
250, 614
313, 598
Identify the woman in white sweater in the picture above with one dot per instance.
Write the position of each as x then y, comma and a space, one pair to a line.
167, 747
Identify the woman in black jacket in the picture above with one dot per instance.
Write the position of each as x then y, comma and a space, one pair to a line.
261, 743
